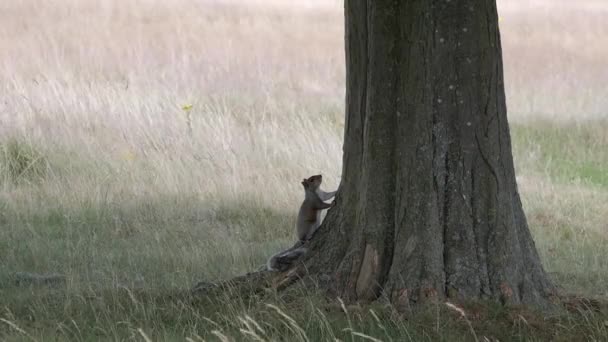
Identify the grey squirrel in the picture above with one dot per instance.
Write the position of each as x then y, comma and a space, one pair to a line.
307, 223
309, 216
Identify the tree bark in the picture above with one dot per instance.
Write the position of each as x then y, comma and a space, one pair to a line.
428, 205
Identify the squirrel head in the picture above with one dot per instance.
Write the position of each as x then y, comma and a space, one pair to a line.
314, 182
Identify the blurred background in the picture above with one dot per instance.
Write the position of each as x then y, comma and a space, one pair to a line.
158, 143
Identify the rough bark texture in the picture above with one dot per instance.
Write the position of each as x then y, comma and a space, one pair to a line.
428, 206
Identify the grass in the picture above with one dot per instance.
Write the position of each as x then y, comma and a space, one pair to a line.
572, 153
20, 162
566, 202
104, 177
134, 314
125, 260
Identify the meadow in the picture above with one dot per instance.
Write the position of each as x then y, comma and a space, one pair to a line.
147, 145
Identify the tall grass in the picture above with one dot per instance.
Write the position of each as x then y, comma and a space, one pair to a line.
21, 162
147, 145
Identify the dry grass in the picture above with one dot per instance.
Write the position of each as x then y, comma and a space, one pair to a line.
136, 190
555, 61
108, 83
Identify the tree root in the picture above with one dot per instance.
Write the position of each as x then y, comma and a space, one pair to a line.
253, 283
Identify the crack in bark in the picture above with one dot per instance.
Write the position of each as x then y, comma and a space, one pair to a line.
491, 168
489, 117
390, 237
363, 108
444, 215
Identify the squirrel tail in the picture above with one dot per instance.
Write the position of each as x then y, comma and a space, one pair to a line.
282, 260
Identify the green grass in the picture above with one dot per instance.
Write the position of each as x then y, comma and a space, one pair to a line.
168, 241
569, 153
563, 171
124, 256
297, 315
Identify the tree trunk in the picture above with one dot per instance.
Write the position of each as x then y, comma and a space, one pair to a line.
428, 206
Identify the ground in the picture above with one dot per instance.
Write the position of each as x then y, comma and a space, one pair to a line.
150, 145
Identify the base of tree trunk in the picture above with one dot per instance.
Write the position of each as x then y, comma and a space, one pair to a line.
260, 283
299, 273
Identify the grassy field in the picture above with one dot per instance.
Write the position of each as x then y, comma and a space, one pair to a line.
147, 145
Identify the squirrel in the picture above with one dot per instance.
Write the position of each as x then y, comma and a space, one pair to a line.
309, 216
307, 223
